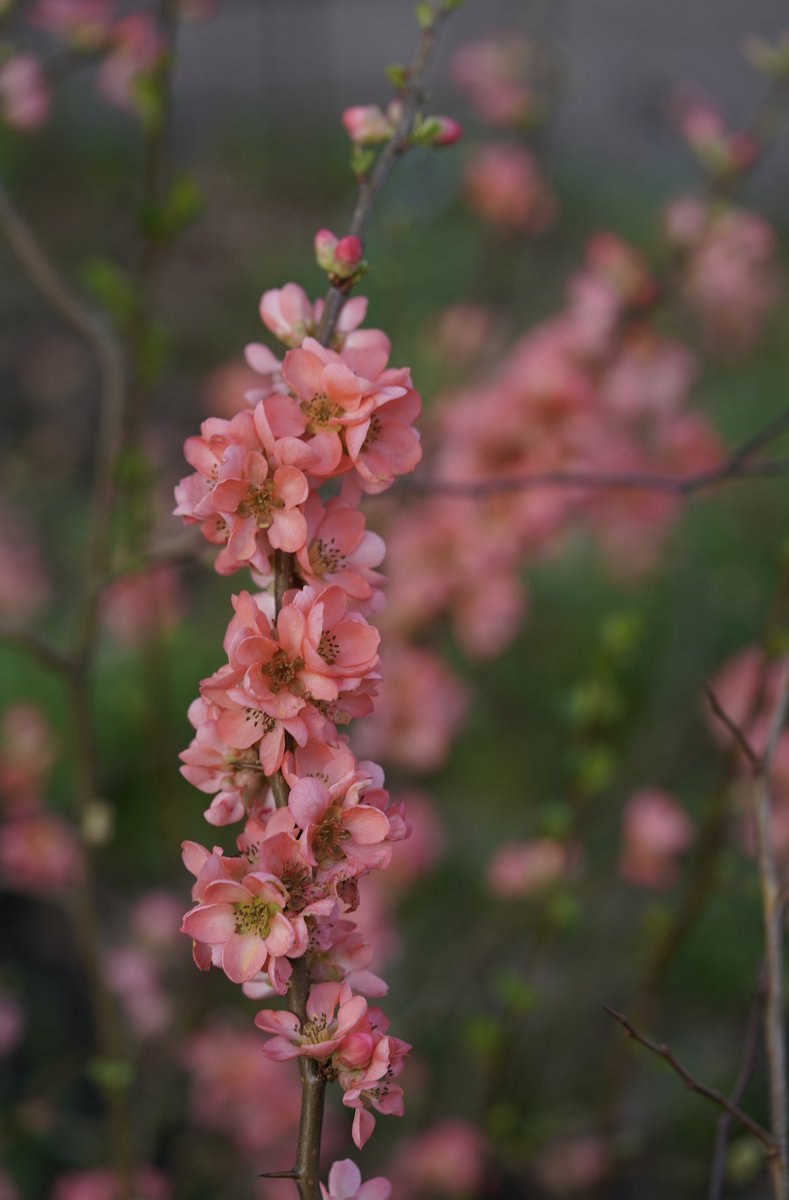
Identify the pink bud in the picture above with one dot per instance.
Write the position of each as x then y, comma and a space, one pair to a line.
325, 247
349, 254
366, 124
450, 131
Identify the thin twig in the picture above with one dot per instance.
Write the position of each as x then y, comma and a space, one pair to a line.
718, 1170
661, 1050
774, 1020
36, 647
411, 97
734, 729
733, 470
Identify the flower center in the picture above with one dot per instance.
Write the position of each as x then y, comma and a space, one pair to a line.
320, 412
325, 557
261, 502
256, 916
315, 1030
329, 647
283, 673
330, 835
373, 433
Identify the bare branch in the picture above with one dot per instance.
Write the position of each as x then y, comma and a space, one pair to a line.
772, 909
734, 729
661, 1050
718, 1171
734, 469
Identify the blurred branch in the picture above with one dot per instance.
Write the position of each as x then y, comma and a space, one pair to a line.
718, 1171
736, 732
661, 1050
738, 466
774, 1025
34, 646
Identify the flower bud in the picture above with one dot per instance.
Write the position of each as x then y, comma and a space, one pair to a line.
367, 125
438, 131
325, 246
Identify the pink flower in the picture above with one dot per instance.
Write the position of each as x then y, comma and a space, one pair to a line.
494, 74
144, 603
39, 852
232, 1083
246, 920
384, 444
288, 313
334, 832
367, 125
333, 1012
136, 49
656, 831
24, 94
447, 1159
83, 23
519, 869
339, 549
341, 257
504, 187
345, 1183
105, 1185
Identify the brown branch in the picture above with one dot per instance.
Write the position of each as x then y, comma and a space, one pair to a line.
36, 647
411, 97
718, 1170
774, 1020
661, 1050
732, 470
734, 729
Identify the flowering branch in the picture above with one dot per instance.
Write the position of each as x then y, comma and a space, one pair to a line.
412, 95
718, 1171
661, 1050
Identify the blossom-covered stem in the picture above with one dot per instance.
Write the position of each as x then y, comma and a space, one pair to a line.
370, 185
772, 907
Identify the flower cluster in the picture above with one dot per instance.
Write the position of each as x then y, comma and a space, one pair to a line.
270, 747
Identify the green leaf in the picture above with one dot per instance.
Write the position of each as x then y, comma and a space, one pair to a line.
116, 1073
397, 74
112, 287
361, 160
425, 16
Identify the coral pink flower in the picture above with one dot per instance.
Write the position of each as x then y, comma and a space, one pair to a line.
288, 313
384, 444
345, 1183
24, 95
339, 549
333, 831
656, 831
333, 1012
246, 920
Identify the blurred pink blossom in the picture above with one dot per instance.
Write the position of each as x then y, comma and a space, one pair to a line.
504, 186
656, 831
144, 603
39, 852
105, 1185
24, 94
522, 868
446, 1160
